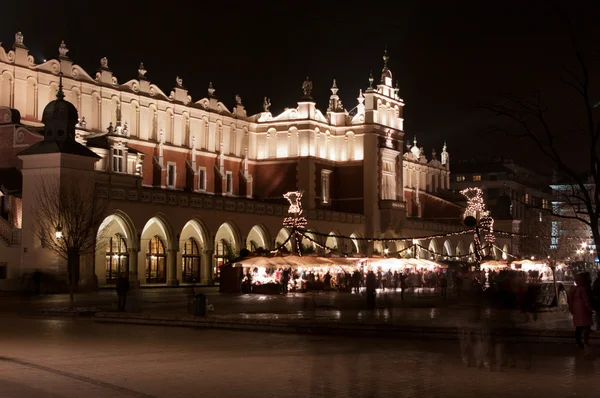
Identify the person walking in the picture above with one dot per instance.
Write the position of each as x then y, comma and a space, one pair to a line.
122, 289
444, 286
596, 298
371, 290
581, 307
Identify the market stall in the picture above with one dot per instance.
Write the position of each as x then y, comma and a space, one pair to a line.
540, 271
282, 273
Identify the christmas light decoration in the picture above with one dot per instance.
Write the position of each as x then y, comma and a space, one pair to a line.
475, 205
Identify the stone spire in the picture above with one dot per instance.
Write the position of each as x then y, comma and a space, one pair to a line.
335, 104
386, 74
361, 103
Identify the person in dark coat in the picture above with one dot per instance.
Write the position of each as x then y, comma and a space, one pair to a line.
122, 289
581, 307
371, 290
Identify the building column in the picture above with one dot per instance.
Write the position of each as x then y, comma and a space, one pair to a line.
206, 273
172, 267
134, 280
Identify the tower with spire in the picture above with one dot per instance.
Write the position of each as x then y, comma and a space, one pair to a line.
336, 111
57, 164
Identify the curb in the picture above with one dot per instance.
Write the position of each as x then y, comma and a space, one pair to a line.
333, 328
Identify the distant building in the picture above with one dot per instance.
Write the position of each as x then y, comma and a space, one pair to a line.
569, 235
516, 196
190, 183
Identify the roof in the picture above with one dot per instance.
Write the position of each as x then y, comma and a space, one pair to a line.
11, 181
65, 146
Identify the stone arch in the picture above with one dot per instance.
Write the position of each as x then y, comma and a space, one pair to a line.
472, 251
95, 114
308, 244
230, 140
219, 137
152, 122
355, 243
333, 242
350, 145
258, 237
169, 122
186, 130
194, 239
227, 245
117, 224
282, 236
460, 250
159, 225
158, 248
75, 98
447, 249
134, 119
270, 144
433, 250
115, 110
204, 141
31, 98
195, 228
6, 89
52, 90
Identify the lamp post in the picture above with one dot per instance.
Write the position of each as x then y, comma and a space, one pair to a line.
58, 232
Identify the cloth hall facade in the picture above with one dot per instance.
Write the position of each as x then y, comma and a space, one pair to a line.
188, 182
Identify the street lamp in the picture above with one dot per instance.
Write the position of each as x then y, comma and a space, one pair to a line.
58, 232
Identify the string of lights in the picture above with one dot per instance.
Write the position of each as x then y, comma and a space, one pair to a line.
389, 240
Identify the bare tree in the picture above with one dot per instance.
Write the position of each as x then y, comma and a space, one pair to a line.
67, 216
530, 119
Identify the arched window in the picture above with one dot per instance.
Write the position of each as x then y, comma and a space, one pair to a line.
190, 272
116, 257
222, 256
156, 261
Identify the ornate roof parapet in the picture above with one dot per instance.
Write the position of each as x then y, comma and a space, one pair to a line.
213, 103
104, 74
180, 93
239, 108
371, 88
20, 50
144, 82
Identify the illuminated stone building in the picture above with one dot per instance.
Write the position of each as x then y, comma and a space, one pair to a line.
190, 182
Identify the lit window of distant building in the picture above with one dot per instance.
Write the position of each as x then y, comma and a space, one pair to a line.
477, 177
460, 178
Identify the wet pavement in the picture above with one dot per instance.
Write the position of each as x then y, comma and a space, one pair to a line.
77, 357
421, 309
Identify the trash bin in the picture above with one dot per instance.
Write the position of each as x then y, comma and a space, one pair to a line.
199, 308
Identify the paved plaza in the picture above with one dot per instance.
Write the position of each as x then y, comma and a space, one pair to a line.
76, 357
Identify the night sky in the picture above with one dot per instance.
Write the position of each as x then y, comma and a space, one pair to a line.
447, 56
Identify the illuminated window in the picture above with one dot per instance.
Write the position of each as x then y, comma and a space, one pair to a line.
325, 186
388, 180
526, 198
540, 217
118, 160
477, 177
190, 267
460, 178
156, 261
116, 257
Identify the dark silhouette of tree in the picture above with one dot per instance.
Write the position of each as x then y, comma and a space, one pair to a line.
530, 119
68, 216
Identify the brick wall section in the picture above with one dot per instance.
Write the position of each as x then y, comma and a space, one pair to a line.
348, 184
274, 180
